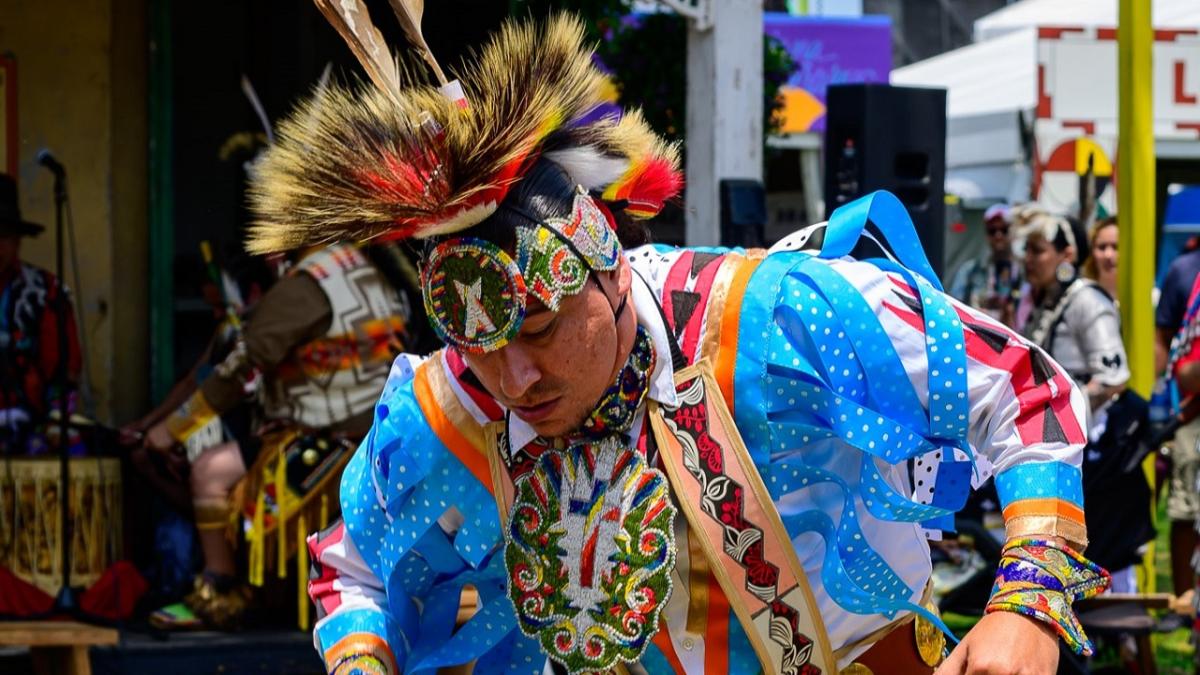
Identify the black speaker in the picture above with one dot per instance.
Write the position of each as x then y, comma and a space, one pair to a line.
880, 137
743, 212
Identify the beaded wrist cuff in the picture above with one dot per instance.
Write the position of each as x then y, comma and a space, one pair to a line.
1041, 580
360, 664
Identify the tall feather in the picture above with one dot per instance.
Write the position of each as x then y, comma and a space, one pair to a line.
409, 13
256, 104
352, 21
326, 73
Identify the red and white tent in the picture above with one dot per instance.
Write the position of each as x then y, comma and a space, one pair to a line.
1050, 66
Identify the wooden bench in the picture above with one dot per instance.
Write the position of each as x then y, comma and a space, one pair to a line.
56, 647
1128, 613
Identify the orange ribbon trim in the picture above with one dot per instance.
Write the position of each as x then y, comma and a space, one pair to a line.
447, 432
1044, 507
727, 356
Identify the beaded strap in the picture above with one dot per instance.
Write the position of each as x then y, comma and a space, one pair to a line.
1041, 579
360, 664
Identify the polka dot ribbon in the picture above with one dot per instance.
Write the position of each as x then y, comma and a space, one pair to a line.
831, 372
392, 497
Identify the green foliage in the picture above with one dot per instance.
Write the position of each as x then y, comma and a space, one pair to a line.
598, 15
649, 67
778, 66
648, 60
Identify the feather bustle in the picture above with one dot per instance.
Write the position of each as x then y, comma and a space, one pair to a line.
356, 163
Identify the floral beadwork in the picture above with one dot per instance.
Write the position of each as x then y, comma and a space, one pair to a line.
1040, 579
557, 256
361, 664
590, 553
619, 404
552, 271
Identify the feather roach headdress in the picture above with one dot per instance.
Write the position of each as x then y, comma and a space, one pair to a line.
400, 158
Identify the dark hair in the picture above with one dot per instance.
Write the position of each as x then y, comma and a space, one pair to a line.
1082, 249
547, 191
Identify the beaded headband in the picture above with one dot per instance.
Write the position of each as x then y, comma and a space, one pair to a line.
475, 292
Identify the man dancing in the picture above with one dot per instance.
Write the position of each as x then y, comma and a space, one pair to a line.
650, 459
315, 351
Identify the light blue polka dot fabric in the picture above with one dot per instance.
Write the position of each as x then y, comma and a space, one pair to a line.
1040, 480
814, 363
401, 480
813, 366
361, 620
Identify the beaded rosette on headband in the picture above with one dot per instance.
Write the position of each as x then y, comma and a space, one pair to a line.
475, 292
405, 159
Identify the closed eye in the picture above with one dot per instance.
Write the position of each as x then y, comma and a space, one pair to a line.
543, 331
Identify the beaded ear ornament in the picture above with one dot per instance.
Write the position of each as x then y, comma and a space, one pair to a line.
476, 293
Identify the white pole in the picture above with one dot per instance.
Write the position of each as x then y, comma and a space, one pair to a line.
724, 109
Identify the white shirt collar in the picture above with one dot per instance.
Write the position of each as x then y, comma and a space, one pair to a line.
662, 380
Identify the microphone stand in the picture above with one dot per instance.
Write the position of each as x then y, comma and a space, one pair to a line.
66, 602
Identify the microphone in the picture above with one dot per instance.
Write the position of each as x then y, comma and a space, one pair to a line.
47, 159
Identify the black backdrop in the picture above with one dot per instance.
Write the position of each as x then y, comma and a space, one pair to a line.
282, 46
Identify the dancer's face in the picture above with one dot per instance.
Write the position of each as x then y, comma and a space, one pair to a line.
553, 373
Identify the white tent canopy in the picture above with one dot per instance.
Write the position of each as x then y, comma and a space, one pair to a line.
1086, 13
999, 72
988, 84
986, 77
991, 82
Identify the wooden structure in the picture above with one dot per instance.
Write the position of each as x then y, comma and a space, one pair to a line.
724, 105
57, 647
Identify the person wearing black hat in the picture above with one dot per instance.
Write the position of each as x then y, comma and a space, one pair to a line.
30, 357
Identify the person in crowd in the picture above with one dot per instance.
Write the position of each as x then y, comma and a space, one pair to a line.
1183, 499
1183, 365
1022, 215
1101, 265
1072, 318
647, 457
317, 349
35, 311
992, 282
1075, 321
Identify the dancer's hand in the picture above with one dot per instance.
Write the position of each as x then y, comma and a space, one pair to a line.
1005, 643
159, 439
130, 436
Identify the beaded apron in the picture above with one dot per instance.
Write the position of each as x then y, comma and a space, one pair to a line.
589, 532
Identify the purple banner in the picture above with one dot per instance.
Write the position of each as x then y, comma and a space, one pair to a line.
828, 51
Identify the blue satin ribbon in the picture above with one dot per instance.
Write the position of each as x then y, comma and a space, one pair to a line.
882, 208
815, 363
1040, 480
